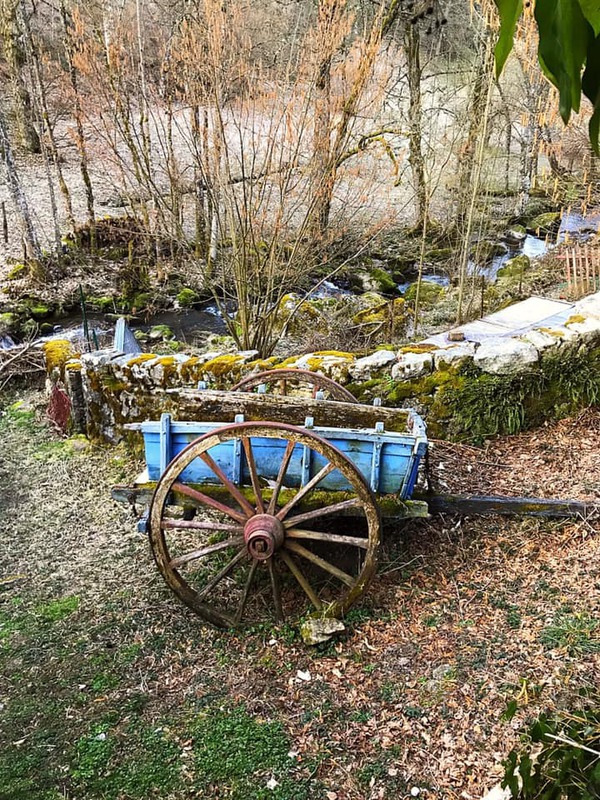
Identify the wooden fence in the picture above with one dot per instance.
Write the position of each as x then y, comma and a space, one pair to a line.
582, 269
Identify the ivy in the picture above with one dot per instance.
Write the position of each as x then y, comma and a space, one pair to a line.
568, 52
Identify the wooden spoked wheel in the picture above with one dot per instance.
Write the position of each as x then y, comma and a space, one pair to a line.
295, 381
262, 550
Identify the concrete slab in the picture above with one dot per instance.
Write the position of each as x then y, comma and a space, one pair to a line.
528, 312
535, 312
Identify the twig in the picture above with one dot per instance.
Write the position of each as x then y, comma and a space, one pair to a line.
566, 740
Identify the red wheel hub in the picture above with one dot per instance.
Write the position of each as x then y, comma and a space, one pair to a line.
263, 535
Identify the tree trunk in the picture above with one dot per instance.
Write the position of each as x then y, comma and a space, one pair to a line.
78, 112
14, 54
412, 45
32, 246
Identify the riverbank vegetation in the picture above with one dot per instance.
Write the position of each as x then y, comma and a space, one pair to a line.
162, 156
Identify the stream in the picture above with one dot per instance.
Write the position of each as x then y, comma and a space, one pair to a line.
192, 326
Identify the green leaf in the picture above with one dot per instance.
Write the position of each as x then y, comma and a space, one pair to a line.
510, 710
591, 11
509, 12
591, 87
564, 34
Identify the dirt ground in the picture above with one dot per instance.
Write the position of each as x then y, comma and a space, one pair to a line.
109, 688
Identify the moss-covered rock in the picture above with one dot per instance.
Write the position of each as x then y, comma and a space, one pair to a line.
515, 268
57, 352
103, 303
160, 332
8, 323
187, 297
428, 296
485, 252
548, 222
375, 280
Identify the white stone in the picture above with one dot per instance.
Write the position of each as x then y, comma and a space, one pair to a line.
457, 352
588, 306
248, 355
411, 365
587, 328
541, 340
363, 368
316, 631
505, 356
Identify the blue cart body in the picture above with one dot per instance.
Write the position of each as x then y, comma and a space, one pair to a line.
388, 461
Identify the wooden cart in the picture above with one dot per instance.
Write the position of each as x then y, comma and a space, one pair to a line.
271, 501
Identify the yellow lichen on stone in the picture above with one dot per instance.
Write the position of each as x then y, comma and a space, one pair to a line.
418, 348
166, 361
550, 332
576, 319
57, 353
336, 353
74, 365
221, 365
140, 359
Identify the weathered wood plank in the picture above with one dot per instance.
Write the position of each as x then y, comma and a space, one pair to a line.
391, 508
215, 406
468, 505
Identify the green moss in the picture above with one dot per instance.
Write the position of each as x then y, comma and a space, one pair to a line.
104, 303
428, 295
545, 223
161, 332
187, 297
16, 272
384, 282
39, 310
515, 267
140, 301
8, 322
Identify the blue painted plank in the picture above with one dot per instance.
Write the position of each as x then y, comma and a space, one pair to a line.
398, 462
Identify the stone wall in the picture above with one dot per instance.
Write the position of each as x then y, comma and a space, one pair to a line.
468, 389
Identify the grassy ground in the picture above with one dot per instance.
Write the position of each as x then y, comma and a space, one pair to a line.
110, 689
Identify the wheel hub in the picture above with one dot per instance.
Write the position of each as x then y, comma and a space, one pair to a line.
263, 535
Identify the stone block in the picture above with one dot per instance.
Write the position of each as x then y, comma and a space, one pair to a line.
505, 356
411, 365
451, 355
364, 368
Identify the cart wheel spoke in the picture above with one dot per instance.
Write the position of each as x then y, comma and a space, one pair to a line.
204, 499
205, 551
222, 573
299, 550
327, 469
299, 575
197, 525
247, 587
233, 490
336, 508
332, 538
276, 587
281, 475
247, 445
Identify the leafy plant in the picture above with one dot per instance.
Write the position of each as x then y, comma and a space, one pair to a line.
567, 766
575, 632
569, 44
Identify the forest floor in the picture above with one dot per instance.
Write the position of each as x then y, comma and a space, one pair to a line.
109, 688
